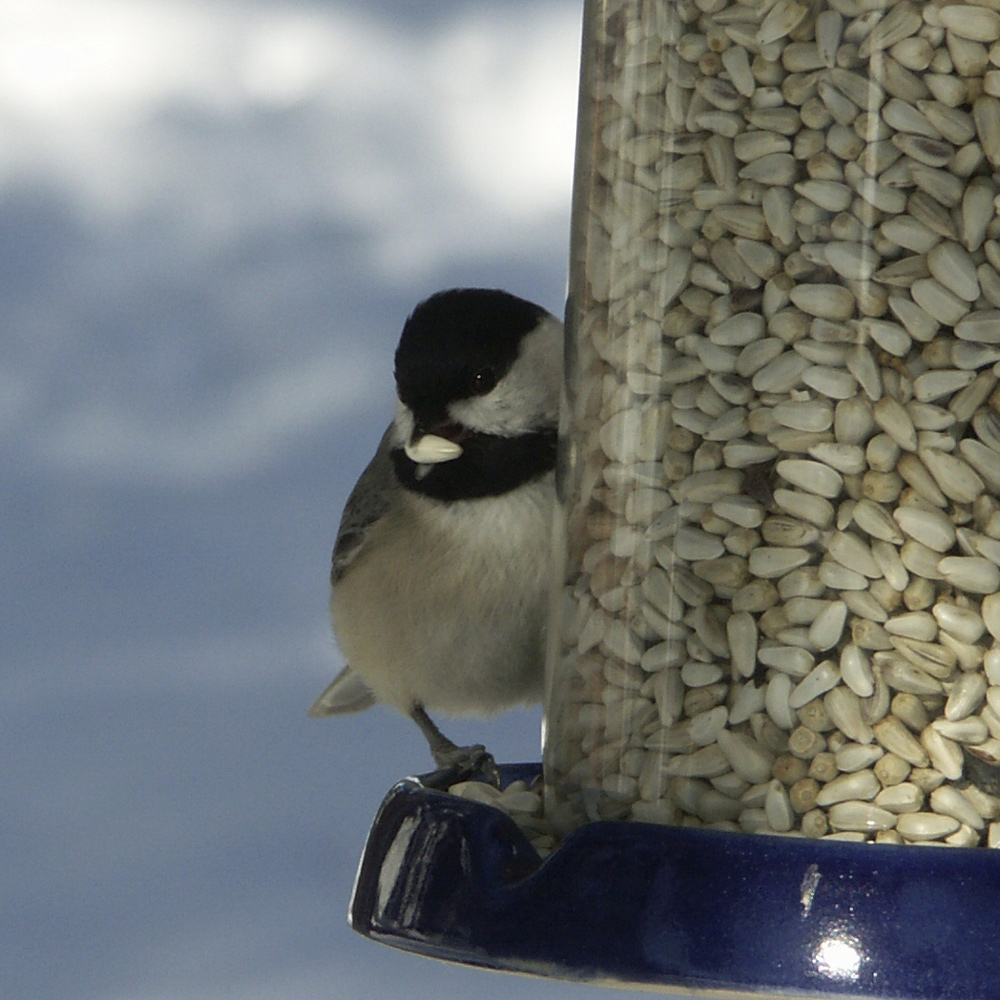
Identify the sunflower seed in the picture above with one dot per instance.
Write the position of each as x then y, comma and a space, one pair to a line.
844, 709
827, 626
920, 149
913, 625
779, 689
856, 671
966, 696
894, 419
945, 754
941, 303
920, 827
913, 470
986, 115
903, 117
973, 574
971, 730
863, 817
948, 801
810, 415
817, 682
963, 623
937, 660
850, 260
956, 478
977, 212
784, 17
809, 507
938, 383
897, 739
829, 31
814, 477
891, 337
860, 363
982, 327
876, 521
737, 65
909, 233
984, 460
860, 785
901, 675
852, 552
919, 324
980, 24
951, 264
832, 382
902, 798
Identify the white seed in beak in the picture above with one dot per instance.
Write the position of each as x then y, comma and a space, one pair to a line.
431, 449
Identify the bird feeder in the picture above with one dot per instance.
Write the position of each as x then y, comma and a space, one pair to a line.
774, 677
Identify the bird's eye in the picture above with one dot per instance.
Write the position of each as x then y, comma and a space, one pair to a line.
483, 381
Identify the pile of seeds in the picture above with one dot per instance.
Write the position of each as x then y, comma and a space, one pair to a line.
781, 607
519, 800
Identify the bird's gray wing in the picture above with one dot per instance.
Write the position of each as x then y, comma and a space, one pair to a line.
368, 501
348, 693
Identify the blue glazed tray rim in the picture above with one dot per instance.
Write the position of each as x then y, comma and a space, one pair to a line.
692, 910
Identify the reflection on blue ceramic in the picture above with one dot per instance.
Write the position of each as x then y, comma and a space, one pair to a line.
636, 904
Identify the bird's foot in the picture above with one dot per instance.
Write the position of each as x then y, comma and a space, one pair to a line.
455, 763
467, 763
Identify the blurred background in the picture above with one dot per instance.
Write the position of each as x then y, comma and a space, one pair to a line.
214, 217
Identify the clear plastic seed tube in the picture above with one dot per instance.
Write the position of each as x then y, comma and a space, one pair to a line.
781, 455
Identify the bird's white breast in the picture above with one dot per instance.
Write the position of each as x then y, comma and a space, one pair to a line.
447, 606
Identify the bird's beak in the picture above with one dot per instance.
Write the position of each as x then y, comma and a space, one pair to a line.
429, 449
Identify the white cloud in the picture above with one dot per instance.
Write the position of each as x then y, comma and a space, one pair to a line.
193, 139
247, 427
460, 124
507, 91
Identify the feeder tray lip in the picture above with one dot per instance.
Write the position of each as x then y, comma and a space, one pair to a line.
699, 911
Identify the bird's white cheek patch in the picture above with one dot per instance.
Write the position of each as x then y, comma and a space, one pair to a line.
431, 449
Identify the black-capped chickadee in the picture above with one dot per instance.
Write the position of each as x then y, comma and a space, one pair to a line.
440, 578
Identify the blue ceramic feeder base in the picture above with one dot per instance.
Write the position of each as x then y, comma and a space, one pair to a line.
717, 914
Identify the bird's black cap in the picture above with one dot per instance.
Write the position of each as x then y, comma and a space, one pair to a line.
458, 343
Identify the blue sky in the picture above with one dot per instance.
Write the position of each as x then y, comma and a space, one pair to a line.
214, 217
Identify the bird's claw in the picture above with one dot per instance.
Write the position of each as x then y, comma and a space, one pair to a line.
467, 763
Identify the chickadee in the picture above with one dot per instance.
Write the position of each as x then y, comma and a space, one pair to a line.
440, 576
